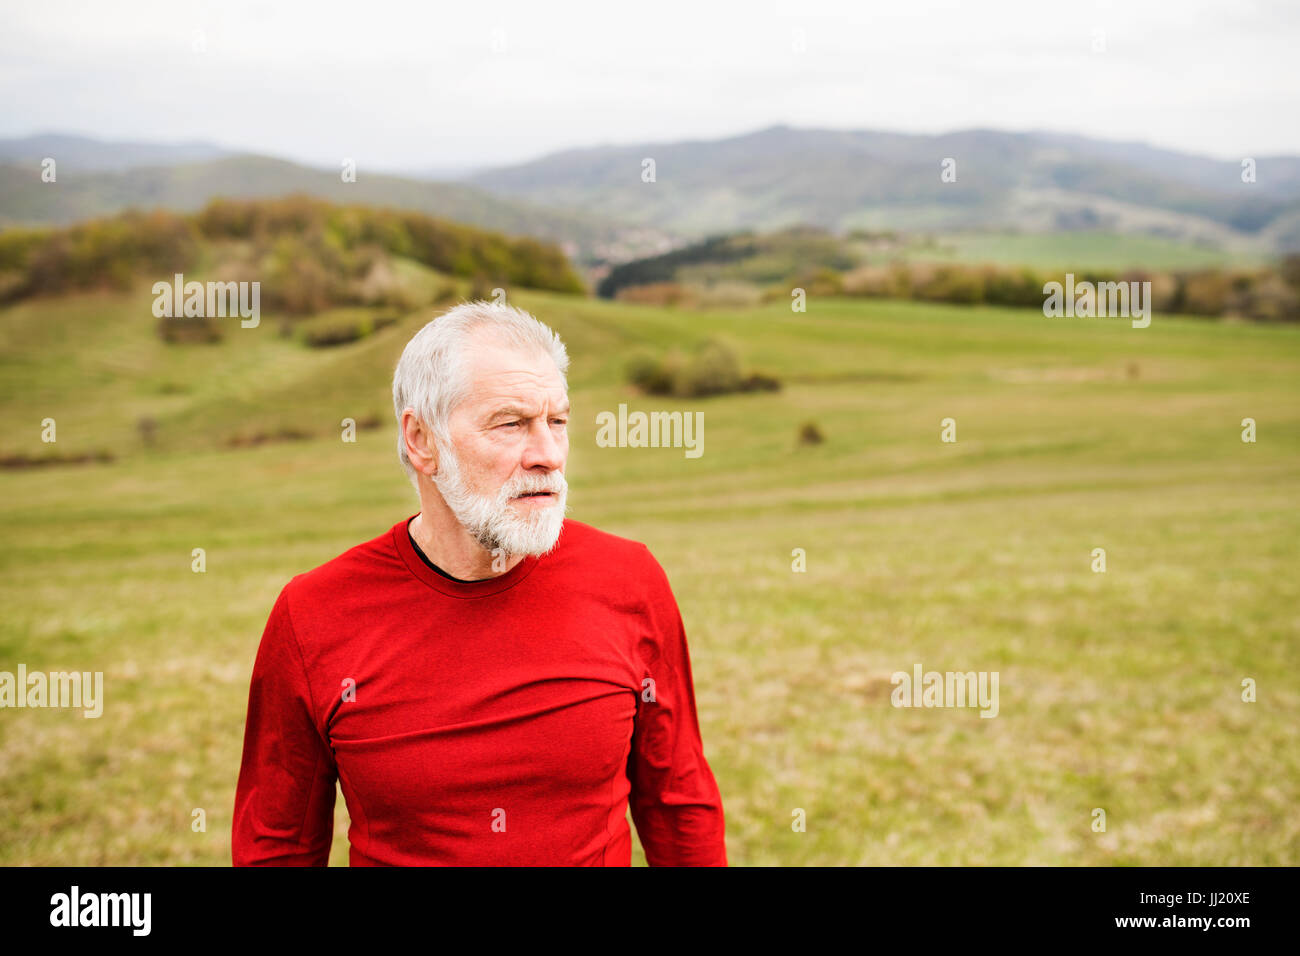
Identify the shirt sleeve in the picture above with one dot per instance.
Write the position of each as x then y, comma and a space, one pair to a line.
284, 800
674, 798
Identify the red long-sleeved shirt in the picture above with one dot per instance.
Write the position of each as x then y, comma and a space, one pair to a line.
510, 721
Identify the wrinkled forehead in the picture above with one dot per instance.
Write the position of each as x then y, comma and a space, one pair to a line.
496, 369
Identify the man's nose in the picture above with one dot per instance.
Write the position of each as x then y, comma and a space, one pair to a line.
545, 449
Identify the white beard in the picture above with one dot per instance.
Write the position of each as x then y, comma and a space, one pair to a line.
491, 521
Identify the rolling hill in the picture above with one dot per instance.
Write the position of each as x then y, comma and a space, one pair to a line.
86, 189
1029, 182
593, 203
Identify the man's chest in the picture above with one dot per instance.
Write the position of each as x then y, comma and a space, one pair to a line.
458, 709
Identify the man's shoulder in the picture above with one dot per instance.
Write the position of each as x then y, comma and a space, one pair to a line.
577, 536
587, 550
358, 563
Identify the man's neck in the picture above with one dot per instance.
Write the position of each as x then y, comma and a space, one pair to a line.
450, 547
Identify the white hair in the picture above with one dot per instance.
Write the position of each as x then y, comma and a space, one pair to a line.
430, 377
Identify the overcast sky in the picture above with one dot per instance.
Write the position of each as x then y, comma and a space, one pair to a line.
441, 85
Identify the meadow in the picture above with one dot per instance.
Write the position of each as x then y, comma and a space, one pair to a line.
1088, 251
1120, 691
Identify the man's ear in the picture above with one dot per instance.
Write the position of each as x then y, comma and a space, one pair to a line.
420, 447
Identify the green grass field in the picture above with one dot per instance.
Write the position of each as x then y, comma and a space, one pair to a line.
1119, 691
1086, 250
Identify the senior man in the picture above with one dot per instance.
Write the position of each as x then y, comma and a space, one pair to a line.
488, 681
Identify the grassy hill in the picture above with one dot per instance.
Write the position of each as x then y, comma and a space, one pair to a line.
1010, 269
82, 192
592, 201
1081, 251
305, 255
1119, 690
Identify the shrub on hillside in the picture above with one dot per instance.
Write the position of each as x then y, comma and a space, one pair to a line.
958, 284
653, 293
714, 369
889, 282
1272, 299
1019, 287
305, 276
190, 330
110, 253
727, 294
343, 326
1264, 294
758, 382
17, 245
308, 253
820, 282
810, 434
1206, 293
649, 372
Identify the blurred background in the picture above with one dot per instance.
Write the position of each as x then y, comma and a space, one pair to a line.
828, 228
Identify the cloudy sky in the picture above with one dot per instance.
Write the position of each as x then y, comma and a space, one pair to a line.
436, 85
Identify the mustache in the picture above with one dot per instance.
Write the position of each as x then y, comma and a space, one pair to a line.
530, 484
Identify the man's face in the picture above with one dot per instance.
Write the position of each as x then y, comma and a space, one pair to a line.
503, 477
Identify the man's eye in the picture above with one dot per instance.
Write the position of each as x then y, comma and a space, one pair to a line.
559, 421
510, 424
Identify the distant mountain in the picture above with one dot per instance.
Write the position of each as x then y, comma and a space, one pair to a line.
1031, 182
81, 192
594, 204
82, 153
